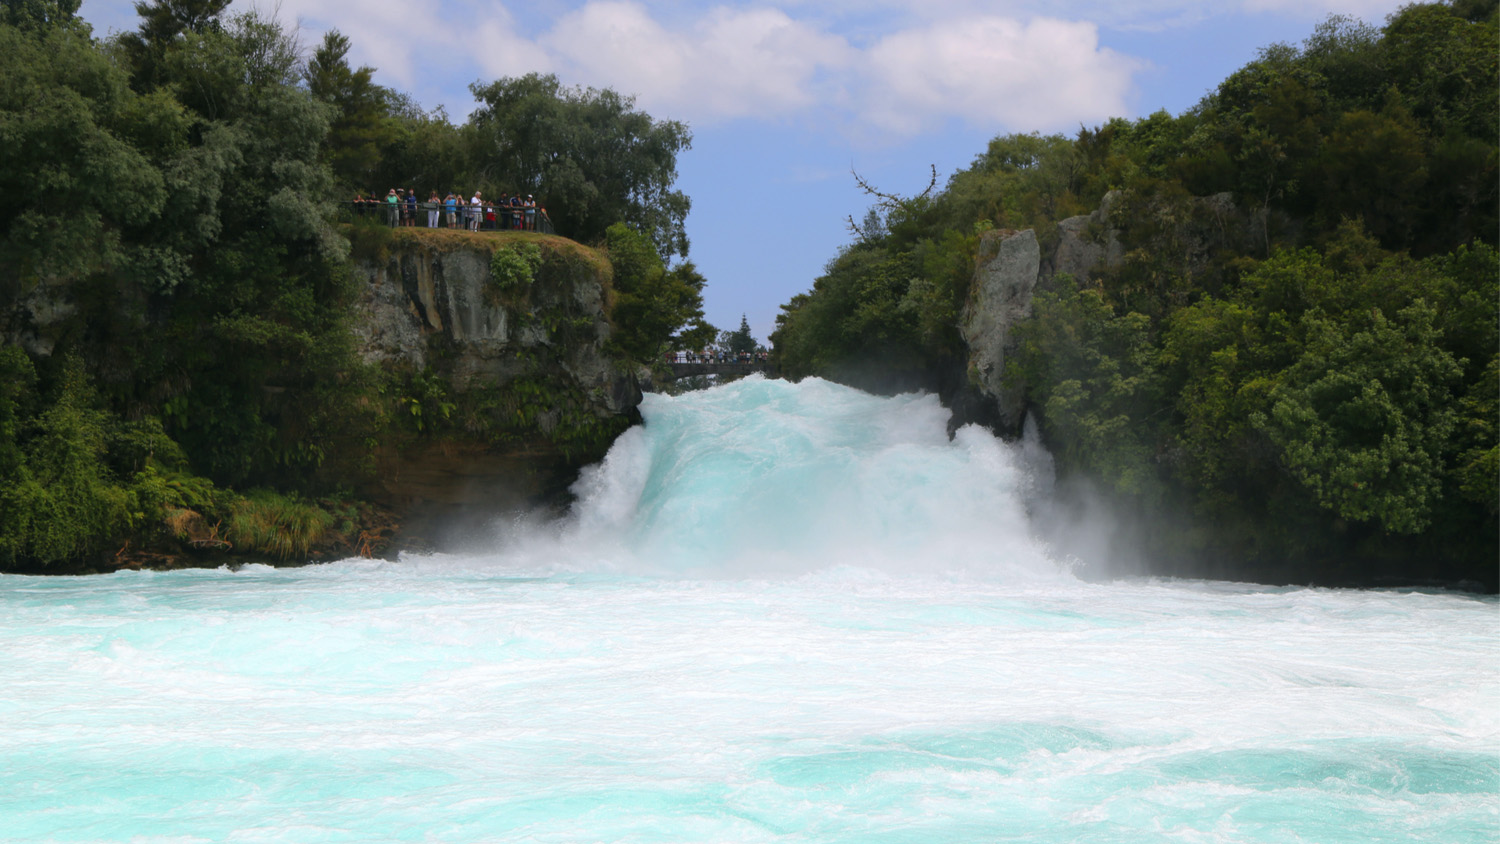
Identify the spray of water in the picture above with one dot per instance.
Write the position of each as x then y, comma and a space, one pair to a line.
849, 636
767, 478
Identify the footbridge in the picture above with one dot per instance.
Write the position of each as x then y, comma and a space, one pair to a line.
688, 370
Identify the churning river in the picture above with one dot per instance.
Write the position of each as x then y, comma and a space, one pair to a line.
778, 613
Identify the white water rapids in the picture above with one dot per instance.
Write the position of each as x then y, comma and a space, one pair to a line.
778, 613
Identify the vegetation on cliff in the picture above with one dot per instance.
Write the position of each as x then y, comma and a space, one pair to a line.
176, 305
1305, 386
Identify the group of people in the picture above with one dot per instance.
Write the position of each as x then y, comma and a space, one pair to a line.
712, 355
514, 213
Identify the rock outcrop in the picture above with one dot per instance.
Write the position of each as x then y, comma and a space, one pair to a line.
1011, 266
428, 303
1087, 243
1007, 266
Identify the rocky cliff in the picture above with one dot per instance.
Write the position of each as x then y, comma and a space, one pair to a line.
1011, 266
1005, 276
522, 360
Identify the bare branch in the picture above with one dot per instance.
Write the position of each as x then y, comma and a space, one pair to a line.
890, 200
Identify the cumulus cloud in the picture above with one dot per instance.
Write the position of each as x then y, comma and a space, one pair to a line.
1043, 74
385, 35
727, 64
1123, 14
991, 71
880, 67
500, 50
1371, 11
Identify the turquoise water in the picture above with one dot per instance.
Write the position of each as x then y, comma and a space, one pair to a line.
779, 613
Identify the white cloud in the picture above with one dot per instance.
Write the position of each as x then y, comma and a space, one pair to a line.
1151, 15
1045, 74
868, 67
384, 35
1371, 11
726, 64
992, 71
500, 50
762, 59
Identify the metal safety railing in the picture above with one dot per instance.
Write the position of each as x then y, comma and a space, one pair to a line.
460, 215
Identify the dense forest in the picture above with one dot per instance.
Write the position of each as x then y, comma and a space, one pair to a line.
175, 207
1311, 397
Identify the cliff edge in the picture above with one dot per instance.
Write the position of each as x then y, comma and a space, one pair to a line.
505, 336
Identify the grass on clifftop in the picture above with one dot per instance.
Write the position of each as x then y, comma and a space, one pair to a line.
443, 240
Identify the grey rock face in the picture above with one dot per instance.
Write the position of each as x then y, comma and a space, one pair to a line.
36, 316
420, 301
1087, 243
1006, 271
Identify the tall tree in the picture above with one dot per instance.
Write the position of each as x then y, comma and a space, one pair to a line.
71, 159
655, 308
740, 341
37, 15
590, 153
162, 24
359, 128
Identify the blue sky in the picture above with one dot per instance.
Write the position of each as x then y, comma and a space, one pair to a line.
784, 97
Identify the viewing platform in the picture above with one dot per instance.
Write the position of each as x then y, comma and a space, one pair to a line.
688, 370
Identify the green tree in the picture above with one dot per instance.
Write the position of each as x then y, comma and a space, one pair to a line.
1097, 378
654, 308
1373, 168
1363, 416
17, 379
595, 158
1304, 372
251, 271
425, 151
1344, 381
72, 134
739, 341
38, 15
852, 327
62, 504
1447, 66
360, 127
1020, 181
164, 23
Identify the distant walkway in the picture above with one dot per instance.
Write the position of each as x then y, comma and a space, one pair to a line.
424, 215
688, 370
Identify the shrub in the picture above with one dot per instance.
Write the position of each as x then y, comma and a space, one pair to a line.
513, 269
283, 526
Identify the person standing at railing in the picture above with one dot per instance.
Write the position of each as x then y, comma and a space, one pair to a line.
476, 212
393, 213
411, 208
452, 205
530, 206
432, 205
